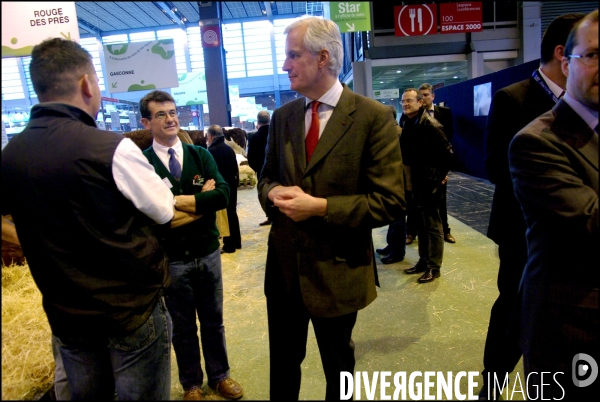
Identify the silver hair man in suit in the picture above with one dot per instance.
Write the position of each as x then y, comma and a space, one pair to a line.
554, 167
330, 177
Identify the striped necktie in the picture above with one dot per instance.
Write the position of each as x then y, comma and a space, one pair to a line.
174, 165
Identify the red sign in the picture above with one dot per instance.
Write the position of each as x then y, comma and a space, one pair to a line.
414, 20
210, 35
461, 17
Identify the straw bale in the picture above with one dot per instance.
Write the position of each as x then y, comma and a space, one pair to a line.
27, 361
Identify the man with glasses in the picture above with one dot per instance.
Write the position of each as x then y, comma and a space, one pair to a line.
554, 167
190, 172
511, 109
426, 155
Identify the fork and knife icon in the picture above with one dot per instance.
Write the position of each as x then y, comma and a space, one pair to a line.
419, 15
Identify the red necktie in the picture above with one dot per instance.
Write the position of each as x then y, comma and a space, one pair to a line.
313, 132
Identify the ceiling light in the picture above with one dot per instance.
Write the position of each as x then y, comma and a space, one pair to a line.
455, 76
397, 72
381, 82
410, 80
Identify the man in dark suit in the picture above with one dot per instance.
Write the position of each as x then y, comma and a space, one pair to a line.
227, 163
256, 147
444, 116
426, 153
512, 108
330, 177
554, 167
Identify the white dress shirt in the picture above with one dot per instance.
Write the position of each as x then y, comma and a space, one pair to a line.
138, 182
328, 102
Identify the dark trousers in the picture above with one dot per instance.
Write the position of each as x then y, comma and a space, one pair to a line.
431, 237
396, 236
444, 211
288, 331
234, 240
412, 216
502, 352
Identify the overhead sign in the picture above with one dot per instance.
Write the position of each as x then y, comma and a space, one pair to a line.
386, 93
461, 17
415, 20
351, 16
191, 90
139, 66
210, 31
25, 24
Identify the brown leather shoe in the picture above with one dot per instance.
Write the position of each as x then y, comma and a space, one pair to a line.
229, 389
429, 276
194, 394
409, 239
449, 238
417, 269
265, 223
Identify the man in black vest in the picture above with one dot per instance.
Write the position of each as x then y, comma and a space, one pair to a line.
86, 205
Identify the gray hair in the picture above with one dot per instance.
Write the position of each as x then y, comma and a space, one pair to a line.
322, 34
263, 117
215, 130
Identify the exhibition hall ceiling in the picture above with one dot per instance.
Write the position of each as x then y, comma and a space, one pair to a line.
103, 18
106, 17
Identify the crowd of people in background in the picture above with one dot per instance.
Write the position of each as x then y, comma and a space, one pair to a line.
126, 245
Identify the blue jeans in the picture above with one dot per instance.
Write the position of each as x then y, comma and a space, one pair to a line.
61, 386
431, 236
137, 365
197, 288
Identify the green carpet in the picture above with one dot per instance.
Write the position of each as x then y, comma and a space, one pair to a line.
439, 326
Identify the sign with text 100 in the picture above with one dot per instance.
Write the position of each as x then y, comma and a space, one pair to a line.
461, 17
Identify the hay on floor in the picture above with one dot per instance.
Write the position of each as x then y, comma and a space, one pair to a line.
27, 362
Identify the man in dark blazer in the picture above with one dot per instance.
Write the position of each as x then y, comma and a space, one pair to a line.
256, 147
228, 167
444, 116
512, 108
324, 200
554, 167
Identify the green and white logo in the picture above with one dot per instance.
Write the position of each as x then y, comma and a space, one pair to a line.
350, 16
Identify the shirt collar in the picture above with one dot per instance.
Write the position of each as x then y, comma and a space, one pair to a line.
556, 90
159, 148
590, 116
331, 97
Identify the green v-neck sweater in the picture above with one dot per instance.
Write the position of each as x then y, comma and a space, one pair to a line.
201, 237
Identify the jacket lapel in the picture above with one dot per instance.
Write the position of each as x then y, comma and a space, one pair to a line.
573, 130
295, 126
337, 126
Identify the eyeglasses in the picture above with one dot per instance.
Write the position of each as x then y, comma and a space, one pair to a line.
589, 59
408, 101
163, 115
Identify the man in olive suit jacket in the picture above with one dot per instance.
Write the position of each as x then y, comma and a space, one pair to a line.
323, 204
